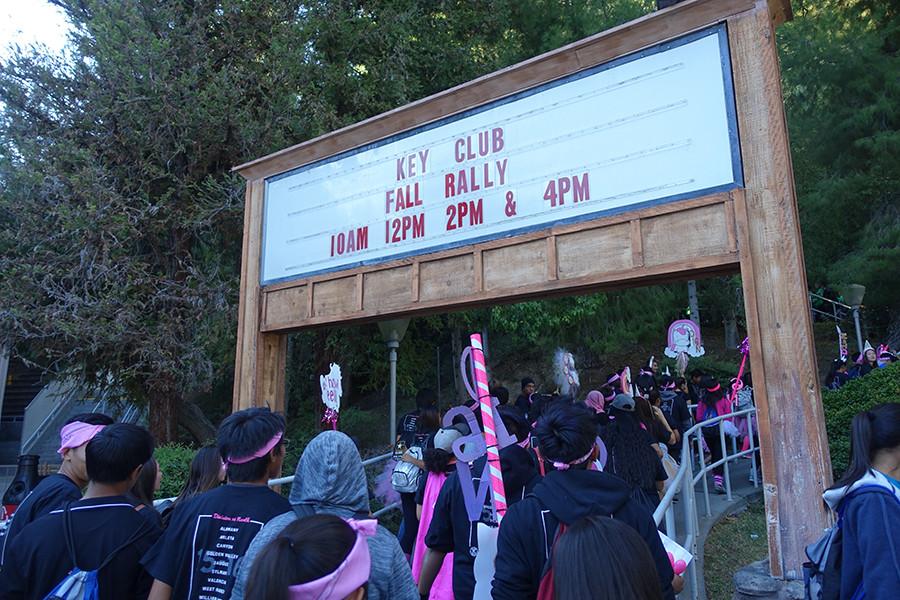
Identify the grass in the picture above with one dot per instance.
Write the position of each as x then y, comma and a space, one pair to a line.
734, 542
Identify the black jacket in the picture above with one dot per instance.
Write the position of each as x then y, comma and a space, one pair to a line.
529, 528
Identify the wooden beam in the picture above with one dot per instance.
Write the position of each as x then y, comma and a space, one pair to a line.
795, 460
270, 369
637, 244
249, 309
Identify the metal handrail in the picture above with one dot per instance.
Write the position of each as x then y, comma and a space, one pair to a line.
63, 393
366, 463
685, 480
835, 302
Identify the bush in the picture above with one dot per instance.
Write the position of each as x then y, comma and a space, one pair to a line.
175, 462
878, 387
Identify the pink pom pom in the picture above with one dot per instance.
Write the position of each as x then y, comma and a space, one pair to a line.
679, 567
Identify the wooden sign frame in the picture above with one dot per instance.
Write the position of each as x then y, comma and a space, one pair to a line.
753, 230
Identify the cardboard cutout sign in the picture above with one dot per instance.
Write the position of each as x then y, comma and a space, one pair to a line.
331, 394
684, 336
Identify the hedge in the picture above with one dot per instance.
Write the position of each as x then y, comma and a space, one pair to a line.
175, 463
878, 387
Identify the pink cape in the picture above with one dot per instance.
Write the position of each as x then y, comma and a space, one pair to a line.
442, 589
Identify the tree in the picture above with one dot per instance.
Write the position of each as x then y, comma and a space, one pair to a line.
840, 60
121, 225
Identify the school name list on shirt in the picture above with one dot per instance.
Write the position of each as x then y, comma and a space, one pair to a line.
219, 545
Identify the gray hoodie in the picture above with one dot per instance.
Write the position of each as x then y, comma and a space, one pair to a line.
330, 479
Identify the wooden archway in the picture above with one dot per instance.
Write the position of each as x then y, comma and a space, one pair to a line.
747, 224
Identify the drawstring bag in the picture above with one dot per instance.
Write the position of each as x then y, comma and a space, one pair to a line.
78, 584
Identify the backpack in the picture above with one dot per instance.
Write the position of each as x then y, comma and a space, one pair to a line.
822, 572
546, 589
405, 477
78, 584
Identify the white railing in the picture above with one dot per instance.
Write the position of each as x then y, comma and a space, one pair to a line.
369, 461
684, 482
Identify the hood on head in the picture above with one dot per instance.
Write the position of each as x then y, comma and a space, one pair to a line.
330, 476
577, 493
873, 478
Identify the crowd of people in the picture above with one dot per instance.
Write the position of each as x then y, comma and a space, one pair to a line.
581, 479
844, 368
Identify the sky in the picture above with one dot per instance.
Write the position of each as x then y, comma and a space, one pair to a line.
31, 21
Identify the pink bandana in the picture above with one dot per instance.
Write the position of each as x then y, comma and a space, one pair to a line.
595, 400
259, 453
561, 466
668, 386
77, 434
350, 574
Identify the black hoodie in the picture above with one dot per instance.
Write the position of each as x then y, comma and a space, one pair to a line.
529, 528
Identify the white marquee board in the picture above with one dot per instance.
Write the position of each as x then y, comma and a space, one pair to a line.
657, 126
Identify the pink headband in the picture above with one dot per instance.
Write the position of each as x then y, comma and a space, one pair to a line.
714, 389
76, 434
561, 466
259, 453
613, 379
611, 396
595, 400
350, 574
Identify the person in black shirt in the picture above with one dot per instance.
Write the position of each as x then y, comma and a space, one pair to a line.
107, 534
451, 529
569, 492
523, 402
414, 429
198, 556
65, 486
696, 391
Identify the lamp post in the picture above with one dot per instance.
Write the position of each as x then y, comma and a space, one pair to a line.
854, 294
393, 331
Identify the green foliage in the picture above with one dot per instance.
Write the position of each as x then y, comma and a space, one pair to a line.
175, 463
840, 60
878, 387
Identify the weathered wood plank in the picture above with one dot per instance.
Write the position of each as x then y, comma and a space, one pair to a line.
389, 288
677, 236
515, 266
335, 297
601, 249
249, 309
791, 414
453, 276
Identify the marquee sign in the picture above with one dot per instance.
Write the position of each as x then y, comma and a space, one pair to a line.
651, 127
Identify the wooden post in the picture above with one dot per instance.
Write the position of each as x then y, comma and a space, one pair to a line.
259, 357
794, 448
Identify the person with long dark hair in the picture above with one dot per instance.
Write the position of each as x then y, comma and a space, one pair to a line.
207, 472
440, 463
868, 362
413, 430
619, 574
320, 557
631, 455
144, 489
713, 404
867, 501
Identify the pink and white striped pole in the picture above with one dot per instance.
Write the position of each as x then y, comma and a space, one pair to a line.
490, 432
